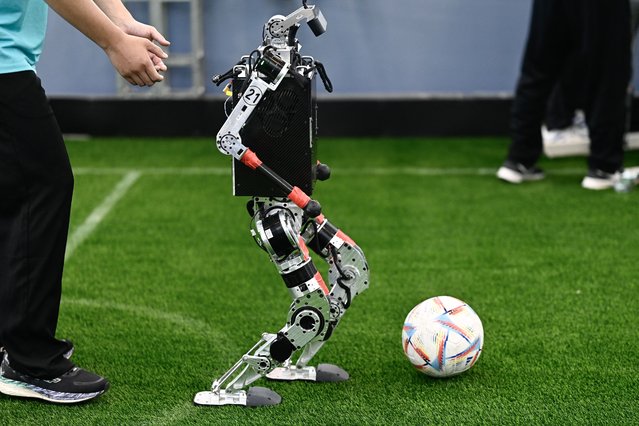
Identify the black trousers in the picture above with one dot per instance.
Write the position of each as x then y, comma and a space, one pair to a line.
596, 35
565, 97
36, 186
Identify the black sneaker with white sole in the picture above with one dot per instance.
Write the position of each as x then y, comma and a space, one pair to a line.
517, 173
76, 385
598, 180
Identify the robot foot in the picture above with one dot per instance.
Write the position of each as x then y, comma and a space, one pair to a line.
323, 373
256, 396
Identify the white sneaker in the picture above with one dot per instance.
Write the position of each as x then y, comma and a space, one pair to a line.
598, 180
571, 141
632, 141
568, 142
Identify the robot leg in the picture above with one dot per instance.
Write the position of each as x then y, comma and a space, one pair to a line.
349, 276
276, 229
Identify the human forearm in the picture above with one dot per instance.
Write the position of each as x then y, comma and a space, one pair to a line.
120, 16
89, 19
130, 49
116, 11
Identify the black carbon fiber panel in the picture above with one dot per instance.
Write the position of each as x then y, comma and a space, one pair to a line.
282, 131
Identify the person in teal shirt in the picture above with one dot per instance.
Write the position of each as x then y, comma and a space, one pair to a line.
36, 187
22, 29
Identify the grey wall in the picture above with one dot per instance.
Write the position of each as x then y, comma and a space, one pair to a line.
371, 46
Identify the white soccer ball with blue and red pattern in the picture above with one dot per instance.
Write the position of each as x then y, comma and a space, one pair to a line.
442, 336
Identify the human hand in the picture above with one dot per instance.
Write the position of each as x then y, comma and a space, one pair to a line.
137, 59
138, 29
128, 44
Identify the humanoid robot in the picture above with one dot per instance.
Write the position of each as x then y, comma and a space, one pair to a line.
286, 221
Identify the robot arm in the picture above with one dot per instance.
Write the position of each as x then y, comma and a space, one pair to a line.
272, 66
277, 59
278, 26
268, 74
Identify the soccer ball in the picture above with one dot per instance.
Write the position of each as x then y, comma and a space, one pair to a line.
442, 336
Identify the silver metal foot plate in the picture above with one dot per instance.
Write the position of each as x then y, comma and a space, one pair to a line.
323, 373
256, 396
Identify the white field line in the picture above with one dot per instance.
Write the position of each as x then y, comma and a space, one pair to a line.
99, 213
157, 315
364, 171
132, 175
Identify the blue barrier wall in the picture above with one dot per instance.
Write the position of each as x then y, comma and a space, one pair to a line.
371, 46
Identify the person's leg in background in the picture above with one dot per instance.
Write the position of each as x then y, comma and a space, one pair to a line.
565, 132
563, 101
545, 54
609, 40
634, 24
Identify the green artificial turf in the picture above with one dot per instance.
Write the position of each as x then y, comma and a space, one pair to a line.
169, 289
